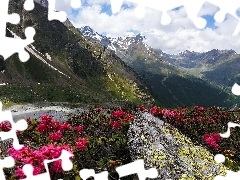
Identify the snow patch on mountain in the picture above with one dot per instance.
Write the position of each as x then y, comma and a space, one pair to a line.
112, 43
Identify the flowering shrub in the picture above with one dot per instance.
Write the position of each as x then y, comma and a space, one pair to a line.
5, 126
97, 140
202, 125
212, 140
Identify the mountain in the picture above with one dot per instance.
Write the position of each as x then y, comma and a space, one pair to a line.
169, 83
218, 67
64, 66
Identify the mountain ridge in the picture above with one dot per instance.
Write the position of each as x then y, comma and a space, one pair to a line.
155, 64
65, 66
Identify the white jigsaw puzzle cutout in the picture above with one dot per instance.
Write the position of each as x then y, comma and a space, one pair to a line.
66, 166
61, 15
136, 167
20, 125
7, 162
12, 45
17, 45
192, 8
220, 158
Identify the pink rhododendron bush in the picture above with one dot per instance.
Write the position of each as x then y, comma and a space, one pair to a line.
98, 139
202, 126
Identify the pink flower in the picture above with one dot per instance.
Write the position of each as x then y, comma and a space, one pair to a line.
118, 113
57, 166
55, 136
116, 125
46, 119
210, 141
42, 128
65, 126
202, 109
141, 108
224, 113
5, 126
205, 136
67, 147
216, 146
175, 114
154, 111
166, 112
216, 137
28, 119
218, 116
37, 170
81, 143
79, 128
99, 109
50, 151
211, 120
20, 174
56, 125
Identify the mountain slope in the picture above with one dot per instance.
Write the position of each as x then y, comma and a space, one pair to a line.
65, 66
169, 83
219, 67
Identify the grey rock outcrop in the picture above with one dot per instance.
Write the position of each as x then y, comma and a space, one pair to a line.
174, 155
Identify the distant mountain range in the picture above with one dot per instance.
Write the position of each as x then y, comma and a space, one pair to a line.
81, 66
205, 73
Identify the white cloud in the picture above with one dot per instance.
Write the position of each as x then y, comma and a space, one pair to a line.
176, 37
208, 9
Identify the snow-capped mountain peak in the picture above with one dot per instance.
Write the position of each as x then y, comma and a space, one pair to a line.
115, 44
89, 32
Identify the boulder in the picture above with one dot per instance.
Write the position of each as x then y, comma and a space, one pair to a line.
173, 154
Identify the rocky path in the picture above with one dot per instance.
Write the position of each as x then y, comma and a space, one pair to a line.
59, 113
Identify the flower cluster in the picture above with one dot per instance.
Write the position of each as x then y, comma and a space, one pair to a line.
87, 135
36, 158
120, 118
212, 140
81, 143
5, 126
53, 135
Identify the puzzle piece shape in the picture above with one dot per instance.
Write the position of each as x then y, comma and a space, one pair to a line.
192, 9
137, 167
53, 15
230, 7
160, 5
87, 173
230, 176
230, 125
19, 125
76, 4
220, 158
7, 162
8, 45
66, 165
28, 5
236, 89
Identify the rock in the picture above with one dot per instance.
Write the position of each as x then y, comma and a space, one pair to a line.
174, 155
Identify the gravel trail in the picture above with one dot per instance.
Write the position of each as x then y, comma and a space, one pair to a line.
59, 113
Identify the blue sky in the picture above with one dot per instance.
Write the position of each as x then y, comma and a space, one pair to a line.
181, 34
